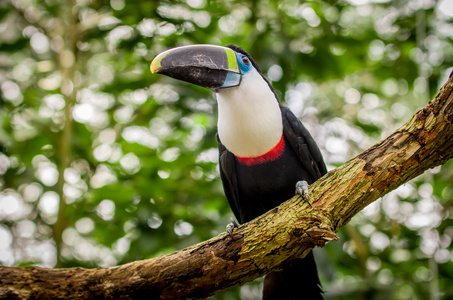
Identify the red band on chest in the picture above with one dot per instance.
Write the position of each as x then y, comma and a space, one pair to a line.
271, 155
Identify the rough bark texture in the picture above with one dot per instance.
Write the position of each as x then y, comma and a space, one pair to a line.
286, 232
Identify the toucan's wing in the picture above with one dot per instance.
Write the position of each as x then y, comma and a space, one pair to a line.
229, 179
303, 144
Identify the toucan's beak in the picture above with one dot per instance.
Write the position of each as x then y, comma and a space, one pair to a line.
212, 67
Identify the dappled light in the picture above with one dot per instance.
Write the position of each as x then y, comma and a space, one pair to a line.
103, 163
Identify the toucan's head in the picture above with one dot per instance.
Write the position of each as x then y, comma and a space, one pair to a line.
209, 66
241, 89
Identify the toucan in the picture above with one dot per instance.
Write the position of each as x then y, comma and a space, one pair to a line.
265, 152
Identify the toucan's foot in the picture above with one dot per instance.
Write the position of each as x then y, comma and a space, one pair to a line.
302, 190
231, 226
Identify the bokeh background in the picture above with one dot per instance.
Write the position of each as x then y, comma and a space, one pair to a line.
103, 163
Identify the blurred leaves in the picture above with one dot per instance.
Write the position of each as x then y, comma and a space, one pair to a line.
130, 159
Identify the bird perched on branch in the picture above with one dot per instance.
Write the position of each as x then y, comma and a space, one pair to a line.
265, 151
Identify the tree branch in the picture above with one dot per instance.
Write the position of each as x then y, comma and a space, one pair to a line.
260, 246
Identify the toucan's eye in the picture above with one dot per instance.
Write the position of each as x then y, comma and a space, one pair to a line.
245, 60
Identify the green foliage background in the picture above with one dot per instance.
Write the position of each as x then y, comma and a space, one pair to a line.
102, 163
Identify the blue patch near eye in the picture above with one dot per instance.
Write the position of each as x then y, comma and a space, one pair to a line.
242, 65
232, 79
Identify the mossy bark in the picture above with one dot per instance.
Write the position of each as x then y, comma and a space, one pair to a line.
286, 232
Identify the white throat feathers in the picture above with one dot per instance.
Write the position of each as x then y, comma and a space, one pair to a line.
250, 120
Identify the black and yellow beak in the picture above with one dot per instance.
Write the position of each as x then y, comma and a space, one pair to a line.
209, 66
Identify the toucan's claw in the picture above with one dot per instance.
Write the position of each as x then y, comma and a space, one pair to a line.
230, 227
302, 190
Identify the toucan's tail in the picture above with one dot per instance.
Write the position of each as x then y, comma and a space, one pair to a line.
297, 280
